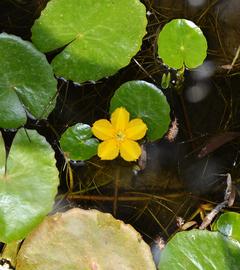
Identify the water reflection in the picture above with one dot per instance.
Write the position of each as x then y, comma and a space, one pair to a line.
196, 3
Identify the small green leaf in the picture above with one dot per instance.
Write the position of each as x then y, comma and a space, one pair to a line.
77, 143
99, 37
229, 225
83, 131
84, 240
181, 42
28, 188
27, 82
146, 101
198, 250
165, 82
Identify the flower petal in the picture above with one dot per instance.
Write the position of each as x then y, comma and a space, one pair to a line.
130, 150
136, 129
120, 118
108, 150
103, 130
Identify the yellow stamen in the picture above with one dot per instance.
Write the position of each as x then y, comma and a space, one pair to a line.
120, 136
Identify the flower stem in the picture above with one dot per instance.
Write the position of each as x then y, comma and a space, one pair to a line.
116, 188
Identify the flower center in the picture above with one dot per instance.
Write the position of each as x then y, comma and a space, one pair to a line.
120, 136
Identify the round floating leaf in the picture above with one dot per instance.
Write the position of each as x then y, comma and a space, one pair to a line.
27, 82
84, 239
229, 225
99, 37
198, 250
146, 101
77, 143
180, 43
28, 188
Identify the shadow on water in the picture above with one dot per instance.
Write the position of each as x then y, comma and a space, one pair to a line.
175, 181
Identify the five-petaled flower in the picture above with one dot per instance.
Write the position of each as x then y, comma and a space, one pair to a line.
119, 135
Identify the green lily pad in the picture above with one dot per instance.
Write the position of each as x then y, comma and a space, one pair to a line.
198, 250
181, 42
27, 82
77, 142
229, 225
28, 188
99, 37
146, 101
83, 240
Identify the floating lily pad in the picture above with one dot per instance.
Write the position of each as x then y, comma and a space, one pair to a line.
84, 239
198, 250
146, 101
27, 82
181, 42
99, 37
77, 142
28, 188
229, 225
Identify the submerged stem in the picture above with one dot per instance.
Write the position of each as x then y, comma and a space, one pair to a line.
116, 188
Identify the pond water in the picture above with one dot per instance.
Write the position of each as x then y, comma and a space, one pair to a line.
176, 180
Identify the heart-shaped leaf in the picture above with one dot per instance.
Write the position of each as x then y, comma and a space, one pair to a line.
77, 142
146, 101
198, 250
28, 188
181, 42
83, 240
27, 82
99, 37
229, 225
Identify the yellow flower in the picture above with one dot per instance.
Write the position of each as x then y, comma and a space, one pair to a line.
119, 135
